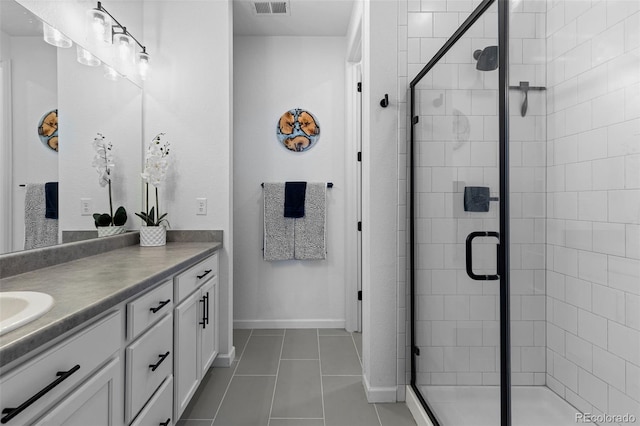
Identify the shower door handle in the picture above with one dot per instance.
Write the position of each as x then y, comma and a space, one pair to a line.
469, 256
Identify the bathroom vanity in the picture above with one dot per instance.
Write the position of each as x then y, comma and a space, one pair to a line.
129, 338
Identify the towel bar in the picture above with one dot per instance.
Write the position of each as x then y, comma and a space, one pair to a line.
329, 184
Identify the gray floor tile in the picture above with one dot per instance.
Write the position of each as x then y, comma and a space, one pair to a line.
298, 390
194, 423
296, 422
207, 398
247, 403
338, 356
240, 337
357, 337
345, 403
261, 355
333, 332
397, 414
301, 344
268, 331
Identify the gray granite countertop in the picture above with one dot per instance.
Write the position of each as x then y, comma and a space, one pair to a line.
87, 287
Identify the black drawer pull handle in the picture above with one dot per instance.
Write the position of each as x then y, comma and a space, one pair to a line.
206, 305
62, 376
157, 364
160, 306
166, 423
206, 272
469, 258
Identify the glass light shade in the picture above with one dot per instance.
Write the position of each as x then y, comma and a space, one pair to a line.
86, 58
99, 24
110, 73
143, 64
55, 37
125, 48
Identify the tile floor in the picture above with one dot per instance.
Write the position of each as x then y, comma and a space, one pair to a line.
298, 377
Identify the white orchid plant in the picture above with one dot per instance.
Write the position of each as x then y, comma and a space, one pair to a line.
156, 164
103, 163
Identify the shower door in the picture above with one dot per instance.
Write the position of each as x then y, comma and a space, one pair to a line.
455, 192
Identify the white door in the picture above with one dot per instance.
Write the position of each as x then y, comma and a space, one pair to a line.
359, 196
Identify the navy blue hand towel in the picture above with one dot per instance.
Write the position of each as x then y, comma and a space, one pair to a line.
294, 196
51, 200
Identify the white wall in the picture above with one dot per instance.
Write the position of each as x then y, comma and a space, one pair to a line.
380, 201
270, 79
34, 93
188, 95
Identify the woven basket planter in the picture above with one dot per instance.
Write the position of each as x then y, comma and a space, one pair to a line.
107, 231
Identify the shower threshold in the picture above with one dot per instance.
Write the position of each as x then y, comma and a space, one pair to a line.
480, 406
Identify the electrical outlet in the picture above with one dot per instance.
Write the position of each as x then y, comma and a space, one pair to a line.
201, 206
85, 206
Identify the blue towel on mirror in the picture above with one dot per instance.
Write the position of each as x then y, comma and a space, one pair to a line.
51, 200
294, 197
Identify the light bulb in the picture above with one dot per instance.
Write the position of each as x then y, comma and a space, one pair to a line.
143, 64
110, 73
86, 58
99, 24
55, 37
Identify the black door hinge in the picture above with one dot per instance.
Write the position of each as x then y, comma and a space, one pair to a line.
360, 156
359, 86
359, 294
416, 350
359, 226
415, 120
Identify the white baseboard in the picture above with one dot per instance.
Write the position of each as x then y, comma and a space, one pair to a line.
284, 323
379, 394
225, 360
418, 413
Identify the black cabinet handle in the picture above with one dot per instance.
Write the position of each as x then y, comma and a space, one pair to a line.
157, 364
204, 321
206, 307
160, 306
206, 272
165, 423
62, 376
469, 258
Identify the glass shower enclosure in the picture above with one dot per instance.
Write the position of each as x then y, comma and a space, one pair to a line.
525, 215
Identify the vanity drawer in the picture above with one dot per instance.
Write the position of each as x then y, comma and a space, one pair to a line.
159, 408
194, 277
78, 356
149, 361
149, 308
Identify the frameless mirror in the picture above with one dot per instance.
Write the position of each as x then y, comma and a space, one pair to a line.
37, 78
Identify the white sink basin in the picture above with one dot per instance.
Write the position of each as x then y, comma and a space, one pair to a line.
20, 307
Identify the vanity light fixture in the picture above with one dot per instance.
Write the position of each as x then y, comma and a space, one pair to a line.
86, 58
108, 29
110, 73
55, 37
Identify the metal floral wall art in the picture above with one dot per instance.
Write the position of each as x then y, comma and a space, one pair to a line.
298, 130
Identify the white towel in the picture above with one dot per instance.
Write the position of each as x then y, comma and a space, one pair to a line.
278, 230
310, 230
38, 230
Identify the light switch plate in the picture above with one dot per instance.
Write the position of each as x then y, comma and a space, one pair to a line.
201, 206
86, 206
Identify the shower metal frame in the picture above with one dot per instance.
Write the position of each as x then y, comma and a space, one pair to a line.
503, 246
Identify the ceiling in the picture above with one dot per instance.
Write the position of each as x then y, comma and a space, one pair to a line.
303, 18
15, 20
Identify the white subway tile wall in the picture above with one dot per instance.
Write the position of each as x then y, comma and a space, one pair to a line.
594, 134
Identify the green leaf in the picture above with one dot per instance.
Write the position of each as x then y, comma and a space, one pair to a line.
120, 216
103, 219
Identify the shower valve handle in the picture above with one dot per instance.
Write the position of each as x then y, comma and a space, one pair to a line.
469, 256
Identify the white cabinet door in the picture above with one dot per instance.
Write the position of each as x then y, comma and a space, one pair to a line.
208, 325
186, 360
97, 402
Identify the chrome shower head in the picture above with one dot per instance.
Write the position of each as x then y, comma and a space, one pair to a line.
487, 58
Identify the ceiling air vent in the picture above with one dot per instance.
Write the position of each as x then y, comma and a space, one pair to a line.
271, 8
